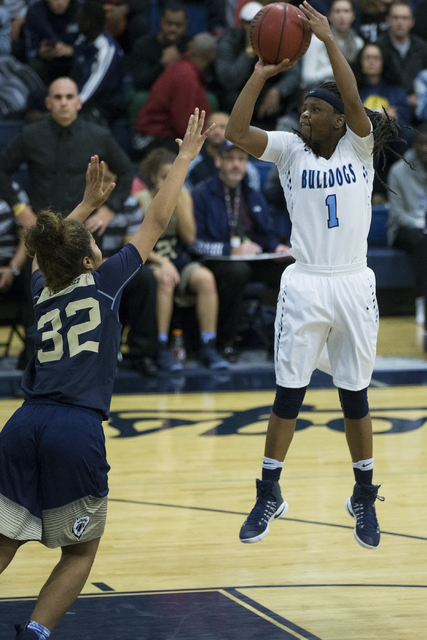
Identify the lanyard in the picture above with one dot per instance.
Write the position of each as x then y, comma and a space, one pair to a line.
232, 211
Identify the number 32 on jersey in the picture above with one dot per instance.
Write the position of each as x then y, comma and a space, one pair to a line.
74, 333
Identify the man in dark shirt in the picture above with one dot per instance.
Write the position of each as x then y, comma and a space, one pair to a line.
404, 53
50, 31
152, 53
233, 221
57, 151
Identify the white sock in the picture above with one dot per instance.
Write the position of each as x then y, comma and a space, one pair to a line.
270, 463
41, 631
364, 465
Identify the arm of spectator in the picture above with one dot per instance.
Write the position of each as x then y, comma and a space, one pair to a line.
185, 215
10, 161
247, 248
231, 70
166, 272
102, 62
204, 244
37, 30
99, 221
119, 163
26, 216
63, 50
399, 210
270, 104
6, 274
403, 110
145, 67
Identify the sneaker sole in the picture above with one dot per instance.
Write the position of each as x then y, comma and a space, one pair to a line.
353, 515
279, 514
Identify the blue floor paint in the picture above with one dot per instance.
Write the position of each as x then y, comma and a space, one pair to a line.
195, 615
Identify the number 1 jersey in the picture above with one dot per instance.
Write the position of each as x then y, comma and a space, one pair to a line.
329, 201
77, 335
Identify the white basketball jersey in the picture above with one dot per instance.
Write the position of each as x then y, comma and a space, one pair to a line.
329, 201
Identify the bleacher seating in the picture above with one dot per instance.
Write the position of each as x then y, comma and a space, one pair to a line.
391, 266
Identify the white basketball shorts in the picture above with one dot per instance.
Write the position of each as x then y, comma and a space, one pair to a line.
326, 311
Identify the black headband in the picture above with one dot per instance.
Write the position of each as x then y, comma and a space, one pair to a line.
328, 97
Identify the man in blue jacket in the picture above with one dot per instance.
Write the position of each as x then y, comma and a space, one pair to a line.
234, 228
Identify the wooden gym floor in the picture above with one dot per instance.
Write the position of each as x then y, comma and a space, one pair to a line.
170, 565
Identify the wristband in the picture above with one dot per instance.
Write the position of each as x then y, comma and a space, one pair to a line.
19, 208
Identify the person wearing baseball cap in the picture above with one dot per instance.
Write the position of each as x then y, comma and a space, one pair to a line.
234, 220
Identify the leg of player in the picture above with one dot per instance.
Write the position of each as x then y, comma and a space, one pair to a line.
358, 431
8, 548
281, 428
64, 584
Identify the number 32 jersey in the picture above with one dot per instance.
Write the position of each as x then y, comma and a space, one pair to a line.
77, 335
329, 201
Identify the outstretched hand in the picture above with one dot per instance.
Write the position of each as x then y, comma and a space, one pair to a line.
95, 195
193, 140
317, 22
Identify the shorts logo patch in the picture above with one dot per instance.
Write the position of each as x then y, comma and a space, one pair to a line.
80, 525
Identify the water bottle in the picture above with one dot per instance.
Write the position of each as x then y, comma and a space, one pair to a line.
177, 347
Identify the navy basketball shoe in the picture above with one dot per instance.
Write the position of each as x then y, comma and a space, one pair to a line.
361, 507
25, 634
269, 506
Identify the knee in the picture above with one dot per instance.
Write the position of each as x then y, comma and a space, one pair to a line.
354, 403
203, 280
288, 402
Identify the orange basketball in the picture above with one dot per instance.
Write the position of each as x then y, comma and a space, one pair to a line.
277, 32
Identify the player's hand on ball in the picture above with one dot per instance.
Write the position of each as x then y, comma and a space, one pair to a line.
269, 70
318, 23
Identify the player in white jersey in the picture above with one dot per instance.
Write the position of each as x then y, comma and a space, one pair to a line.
327, 304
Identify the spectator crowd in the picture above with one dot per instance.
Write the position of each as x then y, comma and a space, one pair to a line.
120, 78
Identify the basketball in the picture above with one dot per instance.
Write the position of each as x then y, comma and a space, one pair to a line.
277, 32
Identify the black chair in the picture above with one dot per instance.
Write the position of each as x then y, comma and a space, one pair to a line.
254, 320
11, 318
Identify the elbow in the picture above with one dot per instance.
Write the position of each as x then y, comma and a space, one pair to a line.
232, 134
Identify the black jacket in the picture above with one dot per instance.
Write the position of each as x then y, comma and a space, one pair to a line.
405, 70
57, 159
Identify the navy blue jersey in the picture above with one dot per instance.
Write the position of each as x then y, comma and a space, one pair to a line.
77, 335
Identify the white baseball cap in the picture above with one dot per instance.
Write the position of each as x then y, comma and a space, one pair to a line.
250, 10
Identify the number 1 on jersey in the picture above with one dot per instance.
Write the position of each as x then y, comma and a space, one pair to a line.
331, 203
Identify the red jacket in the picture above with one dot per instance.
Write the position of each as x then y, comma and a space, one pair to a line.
172, 99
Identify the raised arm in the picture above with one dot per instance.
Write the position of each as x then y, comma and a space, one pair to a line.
354, 110
163, 204
95, 194
239, 130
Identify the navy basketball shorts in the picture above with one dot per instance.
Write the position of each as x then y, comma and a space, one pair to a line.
53, 475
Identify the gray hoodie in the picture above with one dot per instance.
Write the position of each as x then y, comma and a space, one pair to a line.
408, 207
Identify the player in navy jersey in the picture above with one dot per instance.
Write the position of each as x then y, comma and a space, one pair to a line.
53, 467
327, 314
